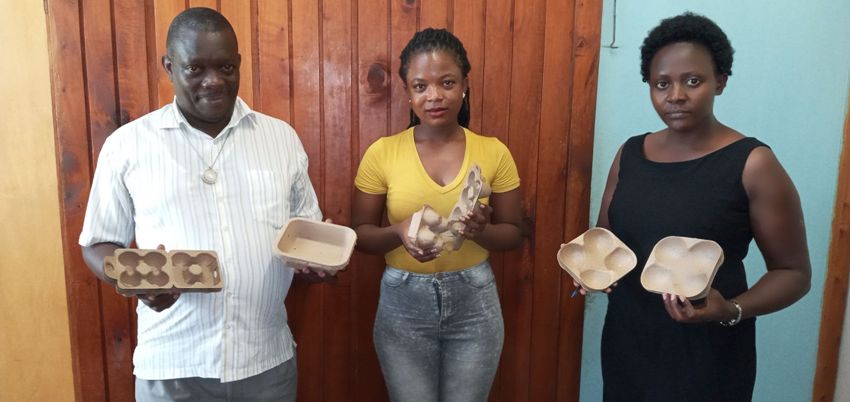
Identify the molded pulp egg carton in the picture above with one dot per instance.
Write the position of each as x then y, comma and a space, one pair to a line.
429, 229
682, 266
318, 245
596, 259
156, 271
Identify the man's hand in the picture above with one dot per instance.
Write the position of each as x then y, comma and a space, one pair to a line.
162, 301
309, 277
159, 302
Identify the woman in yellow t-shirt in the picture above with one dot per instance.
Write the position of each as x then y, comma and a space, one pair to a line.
438, 330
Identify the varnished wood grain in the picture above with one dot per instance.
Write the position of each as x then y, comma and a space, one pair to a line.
468, 26
337, 97
163, 12
238, 12
435, 13
403, 15
103, 119
307, 119
72, 157
274, 61
495, 93
521, 267
213, 4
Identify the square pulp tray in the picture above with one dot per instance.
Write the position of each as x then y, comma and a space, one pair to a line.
683, 266
318, 245
156, 271
596, 259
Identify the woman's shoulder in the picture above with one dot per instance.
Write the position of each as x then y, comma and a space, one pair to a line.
634, 144
391, 142
485, 140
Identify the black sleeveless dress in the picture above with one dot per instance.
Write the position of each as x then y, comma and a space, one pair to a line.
646, 356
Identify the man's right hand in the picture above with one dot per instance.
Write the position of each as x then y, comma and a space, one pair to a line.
159, 302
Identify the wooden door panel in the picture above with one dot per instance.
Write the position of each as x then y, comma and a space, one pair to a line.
329, 68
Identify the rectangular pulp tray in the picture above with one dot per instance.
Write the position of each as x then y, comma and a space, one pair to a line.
156, 271
596, 259
682, 266
317, 245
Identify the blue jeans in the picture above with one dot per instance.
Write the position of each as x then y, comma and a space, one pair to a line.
439, 337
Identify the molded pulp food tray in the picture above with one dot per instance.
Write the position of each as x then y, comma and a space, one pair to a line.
596, 259
683, 266
156, 271
428, 229
320, 245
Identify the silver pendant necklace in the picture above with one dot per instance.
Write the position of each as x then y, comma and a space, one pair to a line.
210, 176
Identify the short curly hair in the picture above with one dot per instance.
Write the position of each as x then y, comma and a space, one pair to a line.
692, 28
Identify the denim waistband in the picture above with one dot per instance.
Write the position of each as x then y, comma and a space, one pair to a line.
442, 276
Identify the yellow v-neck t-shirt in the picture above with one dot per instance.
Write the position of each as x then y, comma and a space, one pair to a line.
392, 166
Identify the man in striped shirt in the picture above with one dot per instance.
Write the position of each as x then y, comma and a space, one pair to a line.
205, 172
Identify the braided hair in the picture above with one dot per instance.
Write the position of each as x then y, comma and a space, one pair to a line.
429, 40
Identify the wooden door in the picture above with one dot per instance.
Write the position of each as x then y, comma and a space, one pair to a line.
329, 68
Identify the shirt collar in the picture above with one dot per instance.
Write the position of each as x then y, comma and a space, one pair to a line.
171, 116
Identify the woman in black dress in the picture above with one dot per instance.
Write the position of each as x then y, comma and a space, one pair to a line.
696, 178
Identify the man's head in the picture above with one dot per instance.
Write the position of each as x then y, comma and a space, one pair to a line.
202, 62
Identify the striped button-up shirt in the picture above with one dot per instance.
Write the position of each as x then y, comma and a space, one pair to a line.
148, 187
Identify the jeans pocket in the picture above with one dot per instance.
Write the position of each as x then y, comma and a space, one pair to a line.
393, 277
478, 277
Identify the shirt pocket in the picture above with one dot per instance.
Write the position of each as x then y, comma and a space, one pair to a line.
268, 196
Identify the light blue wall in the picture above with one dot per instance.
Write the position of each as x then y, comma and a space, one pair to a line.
789, 89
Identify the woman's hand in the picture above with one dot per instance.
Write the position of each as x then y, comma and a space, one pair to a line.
476, 220
584, 291
715, 308
421, 255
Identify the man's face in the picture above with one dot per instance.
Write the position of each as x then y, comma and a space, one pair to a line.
204, 70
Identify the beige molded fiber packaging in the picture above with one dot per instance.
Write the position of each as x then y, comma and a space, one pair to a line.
157, 271
428, 229
682, 266
322, 246
596, 259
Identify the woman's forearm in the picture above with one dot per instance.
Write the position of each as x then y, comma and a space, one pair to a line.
373, 239
499, 237
777, 289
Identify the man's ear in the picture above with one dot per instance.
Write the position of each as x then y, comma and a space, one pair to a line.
721, 84
166, 64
